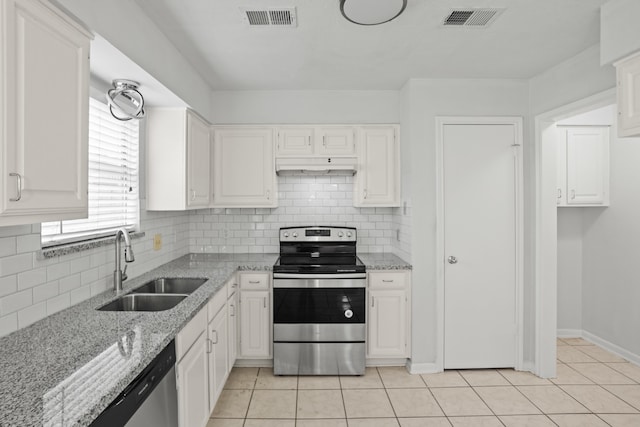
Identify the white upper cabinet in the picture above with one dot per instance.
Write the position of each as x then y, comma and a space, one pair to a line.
178, 160
336, 140
628, 71
44, 119
295, 141
377, 182
584, 176
316, 141
244, 172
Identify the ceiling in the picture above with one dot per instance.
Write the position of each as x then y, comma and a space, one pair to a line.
325, 51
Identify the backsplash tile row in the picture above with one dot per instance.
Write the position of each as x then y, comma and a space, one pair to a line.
302, 200
32, 288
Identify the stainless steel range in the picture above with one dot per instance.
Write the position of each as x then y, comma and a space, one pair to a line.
318, 303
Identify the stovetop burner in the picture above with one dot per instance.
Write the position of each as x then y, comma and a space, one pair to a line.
318, 250
329, 268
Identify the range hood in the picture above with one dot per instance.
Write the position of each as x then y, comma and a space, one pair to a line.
317, 164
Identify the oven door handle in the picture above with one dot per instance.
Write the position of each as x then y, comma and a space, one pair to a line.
335, 276
309, 283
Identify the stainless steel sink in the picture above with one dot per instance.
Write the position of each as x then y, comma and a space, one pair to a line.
144, 302
165, 285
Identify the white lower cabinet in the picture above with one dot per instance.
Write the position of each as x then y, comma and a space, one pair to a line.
255, 316
218, 356
388, 323
193, 387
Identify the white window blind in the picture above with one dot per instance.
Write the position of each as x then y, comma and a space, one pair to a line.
113, 181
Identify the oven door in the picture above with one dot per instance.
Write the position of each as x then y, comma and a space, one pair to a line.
319, 301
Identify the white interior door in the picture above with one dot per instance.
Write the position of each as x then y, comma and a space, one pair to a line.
480, 167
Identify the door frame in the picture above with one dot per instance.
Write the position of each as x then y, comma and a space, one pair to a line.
517, 123
546, 227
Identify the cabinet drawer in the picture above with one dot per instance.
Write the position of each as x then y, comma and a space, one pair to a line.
190, 333
387, 280
254, 281
217, 302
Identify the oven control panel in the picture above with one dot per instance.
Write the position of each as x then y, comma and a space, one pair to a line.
318, 234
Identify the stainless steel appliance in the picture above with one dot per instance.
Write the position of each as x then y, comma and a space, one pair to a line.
151, 399
318, 303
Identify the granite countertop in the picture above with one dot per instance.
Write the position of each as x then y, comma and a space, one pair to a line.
383, 261
67, 368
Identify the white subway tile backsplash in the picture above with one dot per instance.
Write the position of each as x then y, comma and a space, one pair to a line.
28, 243
70, 283
8, 285
58, 303
31, 278
15, 264
32, 314
58, 270
15, 302
7, 246
8, 324
45, 292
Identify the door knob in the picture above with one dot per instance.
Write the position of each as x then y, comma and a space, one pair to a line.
452, 260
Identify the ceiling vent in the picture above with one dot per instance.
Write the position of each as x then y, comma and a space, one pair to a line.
476, 18
281, 17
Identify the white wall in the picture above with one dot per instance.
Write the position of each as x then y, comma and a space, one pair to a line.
619, 29
570, 269
422, 102
610, 269
305, 106
123, 24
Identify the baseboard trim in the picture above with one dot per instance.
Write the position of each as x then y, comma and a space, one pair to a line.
386, 362
609, 346
254, 363
613, 348
569, 333
422, 368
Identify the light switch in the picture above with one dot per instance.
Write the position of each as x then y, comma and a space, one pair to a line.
157, 242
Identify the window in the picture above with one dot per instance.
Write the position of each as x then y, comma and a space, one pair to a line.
113, 181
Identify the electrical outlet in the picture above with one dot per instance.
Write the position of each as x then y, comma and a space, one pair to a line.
157, 242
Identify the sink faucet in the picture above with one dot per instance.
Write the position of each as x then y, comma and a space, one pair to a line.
120, 276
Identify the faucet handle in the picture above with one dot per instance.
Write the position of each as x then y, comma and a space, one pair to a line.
124, 273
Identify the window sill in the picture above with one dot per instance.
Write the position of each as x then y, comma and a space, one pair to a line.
71, 248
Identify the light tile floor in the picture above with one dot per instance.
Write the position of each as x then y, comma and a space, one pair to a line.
593, 388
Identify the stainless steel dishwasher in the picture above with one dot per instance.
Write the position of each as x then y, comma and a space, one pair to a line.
151, 399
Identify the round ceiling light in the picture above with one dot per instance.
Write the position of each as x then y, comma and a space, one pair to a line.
125, 101
371, 12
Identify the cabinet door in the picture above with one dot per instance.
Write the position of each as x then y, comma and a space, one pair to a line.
336, 141
255, 321
244, 168
218, 361
378, 177
193, 387
45, 104
232, 319
387, 323
629, 97
198, 162
295, 141
587, 165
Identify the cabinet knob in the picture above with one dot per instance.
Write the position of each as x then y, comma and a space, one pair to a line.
452, 260
573, 194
